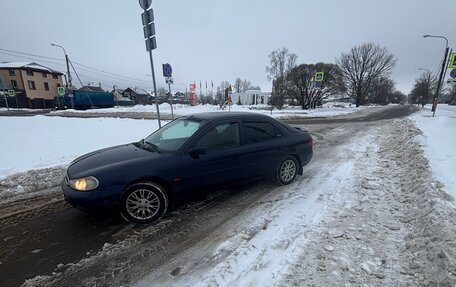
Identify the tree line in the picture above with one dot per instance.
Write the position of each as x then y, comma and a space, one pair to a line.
363, 74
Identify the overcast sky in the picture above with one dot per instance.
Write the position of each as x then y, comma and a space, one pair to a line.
213, 40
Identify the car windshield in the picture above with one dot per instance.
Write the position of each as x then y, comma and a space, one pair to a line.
172, 136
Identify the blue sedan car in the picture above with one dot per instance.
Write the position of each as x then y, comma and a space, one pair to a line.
189, 154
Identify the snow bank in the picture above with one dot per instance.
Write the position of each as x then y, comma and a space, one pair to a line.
430, 212
439, 142
328, 109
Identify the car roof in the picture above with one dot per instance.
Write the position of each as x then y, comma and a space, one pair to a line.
228, 115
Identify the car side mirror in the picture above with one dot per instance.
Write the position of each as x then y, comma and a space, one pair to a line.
197, 151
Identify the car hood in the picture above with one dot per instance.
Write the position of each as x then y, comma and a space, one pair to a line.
116, 156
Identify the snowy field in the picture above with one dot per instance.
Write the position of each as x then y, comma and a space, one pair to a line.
329, 109
439, 142
40, 141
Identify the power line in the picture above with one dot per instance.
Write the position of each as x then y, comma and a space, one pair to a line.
28, 54
77, 63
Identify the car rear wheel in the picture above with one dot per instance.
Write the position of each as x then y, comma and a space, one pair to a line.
287, 170
143, 203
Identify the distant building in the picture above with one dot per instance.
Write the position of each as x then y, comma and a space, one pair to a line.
35, 85
91, 89
120, 99
138, 98
250, 97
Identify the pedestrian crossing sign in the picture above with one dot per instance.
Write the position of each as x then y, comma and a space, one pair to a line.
452, 64
319, 76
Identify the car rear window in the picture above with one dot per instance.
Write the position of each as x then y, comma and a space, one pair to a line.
259, 131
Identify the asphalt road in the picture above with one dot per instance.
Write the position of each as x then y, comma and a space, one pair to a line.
45, 239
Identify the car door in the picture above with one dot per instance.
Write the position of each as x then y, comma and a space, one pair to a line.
264, 148
213, 157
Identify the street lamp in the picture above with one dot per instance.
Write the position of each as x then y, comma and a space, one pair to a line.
440, 82
67, 63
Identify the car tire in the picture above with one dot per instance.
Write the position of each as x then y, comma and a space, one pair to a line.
287, 170
143, 203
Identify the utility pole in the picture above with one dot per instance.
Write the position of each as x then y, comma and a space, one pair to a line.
69, 83
442, 72
440, 82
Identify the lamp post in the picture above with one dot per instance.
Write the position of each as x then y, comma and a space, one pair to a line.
69, 84
439, 83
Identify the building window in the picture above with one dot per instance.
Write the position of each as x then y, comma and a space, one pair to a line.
12, 72
29, 72
31, 85
44, 75
46, 86
14, 84
54, 76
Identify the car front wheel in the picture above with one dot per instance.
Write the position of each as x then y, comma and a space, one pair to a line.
287, 170
143, 203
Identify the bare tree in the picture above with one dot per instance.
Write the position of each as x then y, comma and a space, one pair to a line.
220, 94
422, 90
381, 91
245, 85
281, 61
301, 86
237, 85
362, 65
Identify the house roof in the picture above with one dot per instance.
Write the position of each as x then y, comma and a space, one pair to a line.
28, 65
91, 89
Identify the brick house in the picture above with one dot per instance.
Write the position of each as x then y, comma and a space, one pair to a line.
35, 85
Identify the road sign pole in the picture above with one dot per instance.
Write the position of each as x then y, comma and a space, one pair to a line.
171, 100
155, 86
2, 87
6, 101
149, 28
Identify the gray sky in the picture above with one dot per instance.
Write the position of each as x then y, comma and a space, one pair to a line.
212, 40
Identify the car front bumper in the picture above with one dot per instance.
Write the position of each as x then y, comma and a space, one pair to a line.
92, 200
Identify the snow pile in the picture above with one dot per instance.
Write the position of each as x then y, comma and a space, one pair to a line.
328, 109
26, 184
396, 227
431, 244
439, 142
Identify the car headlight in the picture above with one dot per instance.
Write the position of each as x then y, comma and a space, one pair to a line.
84, 184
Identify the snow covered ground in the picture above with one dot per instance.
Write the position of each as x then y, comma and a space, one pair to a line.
439, 142
329, 109
367, 212
370, 209
40, 141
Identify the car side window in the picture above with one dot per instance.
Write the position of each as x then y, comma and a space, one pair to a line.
220, 136
259, 132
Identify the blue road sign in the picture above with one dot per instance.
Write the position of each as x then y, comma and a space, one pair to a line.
453, 73
167, 70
